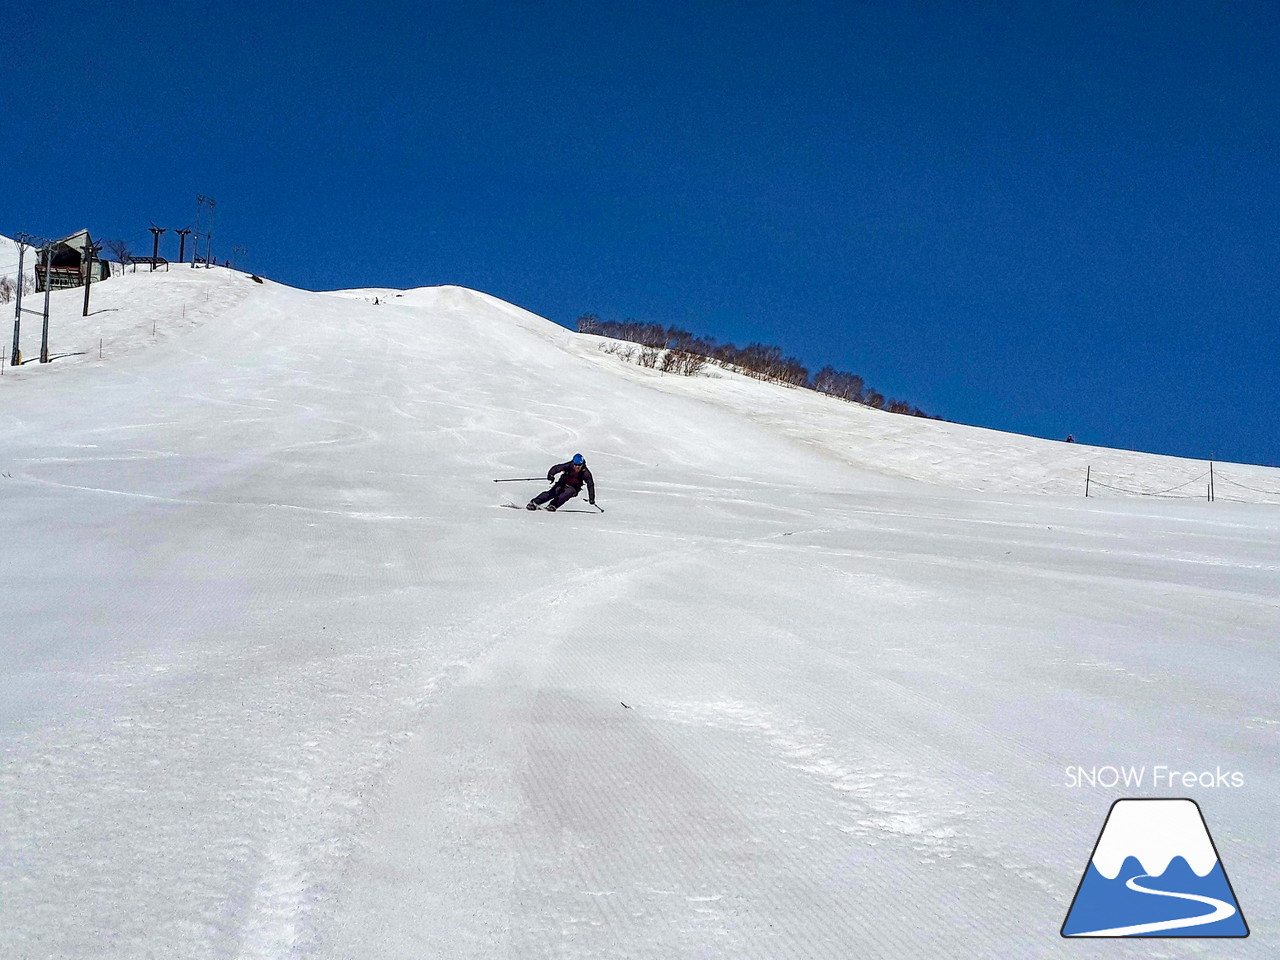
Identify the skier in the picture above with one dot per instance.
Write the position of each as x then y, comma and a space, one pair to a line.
572, 476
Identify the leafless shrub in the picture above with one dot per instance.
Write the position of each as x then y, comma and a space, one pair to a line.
7, 289
683, 362
836, 383
617, 350
694, 364
673, 350
120, 248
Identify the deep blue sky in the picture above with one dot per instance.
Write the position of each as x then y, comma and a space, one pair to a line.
1042, 217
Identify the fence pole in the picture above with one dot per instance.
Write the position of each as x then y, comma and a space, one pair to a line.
1087, 471
1211, 490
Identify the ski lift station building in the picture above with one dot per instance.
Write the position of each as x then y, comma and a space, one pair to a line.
66, 263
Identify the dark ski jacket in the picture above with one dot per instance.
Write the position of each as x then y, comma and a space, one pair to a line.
573, 477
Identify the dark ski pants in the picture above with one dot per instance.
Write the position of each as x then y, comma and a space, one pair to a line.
559, 495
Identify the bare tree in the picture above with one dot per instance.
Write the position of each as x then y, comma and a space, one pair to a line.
674, 350
120, 250
837, 383
690, 364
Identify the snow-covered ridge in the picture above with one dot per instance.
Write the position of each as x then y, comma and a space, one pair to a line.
1154, 831
137, 312
935, 452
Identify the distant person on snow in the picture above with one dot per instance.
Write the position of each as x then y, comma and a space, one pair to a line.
1070, 438
572, 476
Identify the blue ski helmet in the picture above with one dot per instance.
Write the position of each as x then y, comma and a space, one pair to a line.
578, 460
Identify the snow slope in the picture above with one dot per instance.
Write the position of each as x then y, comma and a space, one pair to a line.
282, 677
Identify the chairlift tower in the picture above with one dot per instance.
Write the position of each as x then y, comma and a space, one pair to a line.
208, 235
204, 227
90, 254
155, 244
45, 247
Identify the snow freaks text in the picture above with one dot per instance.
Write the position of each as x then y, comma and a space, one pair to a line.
1156, 777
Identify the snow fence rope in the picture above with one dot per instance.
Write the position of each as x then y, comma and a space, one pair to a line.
1157, 493
1171, 494
1236, 483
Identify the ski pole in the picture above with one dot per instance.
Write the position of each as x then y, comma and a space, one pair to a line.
517, 479
598, 507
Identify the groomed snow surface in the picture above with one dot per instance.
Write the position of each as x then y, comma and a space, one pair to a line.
283, 677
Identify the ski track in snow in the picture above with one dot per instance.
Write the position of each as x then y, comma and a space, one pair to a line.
280, 684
